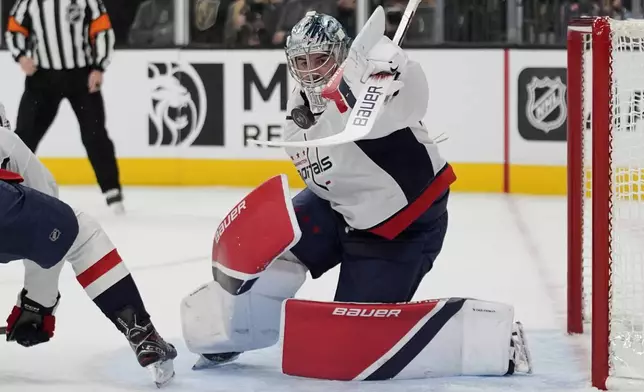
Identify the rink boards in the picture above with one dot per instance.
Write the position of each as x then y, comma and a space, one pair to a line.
184, 117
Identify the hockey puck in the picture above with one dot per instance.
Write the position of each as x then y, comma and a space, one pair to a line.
303, 117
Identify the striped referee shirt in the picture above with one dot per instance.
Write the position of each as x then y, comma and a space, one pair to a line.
61, 34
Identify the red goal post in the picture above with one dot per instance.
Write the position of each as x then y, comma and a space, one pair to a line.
605, 86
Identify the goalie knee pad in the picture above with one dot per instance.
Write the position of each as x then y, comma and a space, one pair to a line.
214, 321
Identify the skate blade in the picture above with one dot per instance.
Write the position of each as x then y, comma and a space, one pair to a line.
162, 372
525, 350
205, 363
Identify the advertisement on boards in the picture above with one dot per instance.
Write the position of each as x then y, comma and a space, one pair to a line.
187, 104
541, 105
538, 110
207, 106
278, 85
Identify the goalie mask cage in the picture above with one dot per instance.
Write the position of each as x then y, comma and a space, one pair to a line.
606, 196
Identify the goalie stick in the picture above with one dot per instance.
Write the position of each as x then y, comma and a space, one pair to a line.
371, 100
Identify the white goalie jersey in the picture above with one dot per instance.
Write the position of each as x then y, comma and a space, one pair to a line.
371, 182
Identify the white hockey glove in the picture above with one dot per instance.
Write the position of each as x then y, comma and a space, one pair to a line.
384, 57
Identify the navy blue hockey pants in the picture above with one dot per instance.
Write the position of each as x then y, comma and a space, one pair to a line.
372, 269
34, 226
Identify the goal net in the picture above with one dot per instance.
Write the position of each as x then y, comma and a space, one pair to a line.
606, 195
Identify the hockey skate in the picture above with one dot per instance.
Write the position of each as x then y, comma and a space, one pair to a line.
114, 200
152, 352
520, 359
209, 361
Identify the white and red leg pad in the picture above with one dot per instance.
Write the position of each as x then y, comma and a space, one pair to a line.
215, 321
240, 310
255, 232
437, 338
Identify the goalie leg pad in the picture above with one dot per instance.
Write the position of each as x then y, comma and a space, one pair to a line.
215, 321
351, 341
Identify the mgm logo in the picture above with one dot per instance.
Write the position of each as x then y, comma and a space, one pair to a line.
186, 104
542, 110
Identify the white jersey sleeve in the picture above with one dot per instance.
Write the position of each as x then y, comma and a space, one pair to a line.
15, 156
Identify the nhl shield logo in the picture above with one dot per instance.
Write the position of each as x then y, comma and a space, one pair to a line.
546, 104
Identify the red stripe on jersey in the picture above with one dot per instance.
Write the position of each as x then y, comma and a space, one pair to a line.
405, 217
7, 175
99, 268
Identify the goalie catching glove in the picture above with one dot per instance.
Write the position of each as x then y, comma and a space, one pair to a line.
384, 58
31, 323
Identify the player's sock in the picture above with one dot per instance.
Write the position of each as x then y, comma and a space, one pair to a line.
123, 305
112, 288
110, 285
121, 295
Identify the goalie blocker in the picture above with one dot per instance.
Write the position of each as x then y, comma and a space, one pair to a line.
249, 305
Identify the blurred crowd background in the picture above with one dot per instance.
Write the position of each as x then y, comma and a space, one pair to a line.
264, 23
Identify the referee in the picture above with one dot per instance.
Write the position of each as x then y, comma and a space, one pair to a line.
64, 46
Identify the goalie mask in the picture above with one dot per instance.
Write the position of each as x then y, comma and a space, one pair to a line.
315, 48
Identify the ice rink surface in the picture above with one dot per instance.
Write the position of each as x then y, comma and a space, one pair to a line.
498, 247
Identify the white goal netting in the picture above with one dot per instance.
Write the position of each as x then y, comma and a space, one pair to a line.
625, 154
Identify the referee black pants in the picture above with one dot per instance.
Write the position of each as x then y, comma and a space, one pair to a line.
44, 91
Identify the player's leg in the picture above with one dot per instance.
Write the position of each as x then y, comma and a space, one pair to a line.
107, 281
320, 248
389, 271
37, 110
42, 228
90, 112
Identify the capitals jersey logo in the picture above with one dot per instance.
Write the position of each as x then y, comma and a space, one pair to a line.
311, 166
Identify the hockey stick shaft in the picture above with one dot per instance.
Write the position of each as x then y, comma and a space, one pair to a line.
3, 330
405, 21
